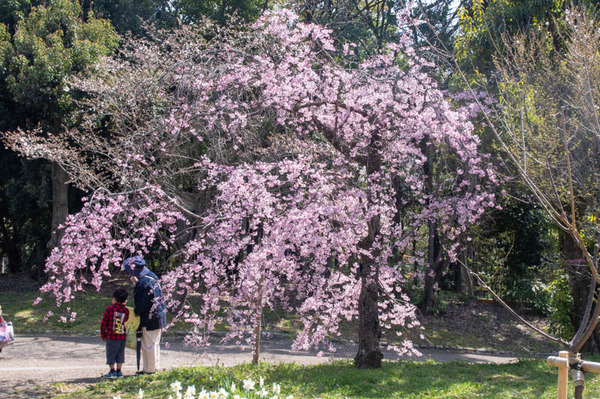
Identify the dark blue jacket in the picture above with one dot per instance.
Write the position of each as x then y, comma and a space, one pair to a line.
144, 293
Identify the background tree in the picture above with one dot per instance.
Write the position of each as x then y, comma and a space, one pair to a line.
477, 28
548, 128
130, 16
41, 47
549, 107
372, 24
484, 24
25, 212
192, 11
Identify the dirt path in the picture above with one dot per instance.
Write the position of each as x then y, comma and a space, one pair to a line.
32, 364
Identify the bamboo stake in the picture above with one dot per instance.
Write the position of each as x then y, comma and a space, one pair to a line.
563, 376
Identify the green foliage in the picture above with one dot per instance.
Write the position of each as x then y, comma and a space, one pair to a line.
483, 24
409, 380
561, 306
50, 45
130, 16
14, 11
5, 46
442, 299
511, 251
192, 11
531, 293
25, 201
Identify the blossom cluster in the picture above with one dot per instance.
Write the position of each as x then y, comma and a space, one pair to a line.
109, 227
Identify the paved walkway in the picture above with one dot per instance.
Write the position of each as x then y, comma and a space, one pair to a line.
32, 363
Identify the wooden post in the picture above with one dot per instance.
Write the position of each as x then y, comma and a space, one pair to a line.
563, 377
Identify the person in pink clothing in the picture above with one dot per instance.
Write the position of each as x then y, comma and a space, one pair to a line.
1, 321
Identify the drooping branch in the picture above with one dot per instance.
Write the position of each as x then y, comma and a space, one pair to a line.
511, 310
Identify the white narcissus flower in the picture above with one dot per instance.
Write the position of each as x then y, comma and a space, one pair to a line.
261, 382
233, 387
141, 394
276, 388
176, 386
290, 397
262, 393
223, 394
237, 397
190, 392
117, 397
248, 384
203, 395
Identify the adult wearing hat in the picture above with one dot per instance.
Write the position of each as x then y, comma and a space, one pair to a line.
150, 306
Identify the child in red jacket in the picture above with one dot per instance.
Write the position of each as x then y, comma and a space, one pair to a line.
112, 331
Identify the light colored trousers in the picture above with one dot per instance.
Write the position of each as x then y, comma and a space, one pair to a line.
150, 350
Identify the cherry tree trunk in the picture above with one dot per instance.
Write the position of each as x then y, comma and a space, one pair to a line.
369, 354
369, 330
60, 203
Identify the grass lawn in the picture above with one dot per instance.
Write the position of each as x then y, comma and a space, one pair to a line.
89, 306
28, 319
525, 379
18, 308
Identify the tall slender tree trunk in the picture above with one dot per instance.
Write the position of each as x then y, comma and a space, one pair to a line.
435, 270
40, 256
434, 264
258, 320
222, 12
463, 281
10, 247
60, 203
